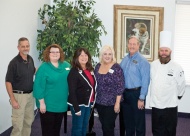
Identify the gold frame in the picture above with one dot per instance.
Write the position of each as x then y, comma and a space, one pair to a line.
125, 17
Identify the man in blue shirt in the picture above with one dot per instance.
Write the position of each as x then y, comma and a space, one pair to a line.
137, 77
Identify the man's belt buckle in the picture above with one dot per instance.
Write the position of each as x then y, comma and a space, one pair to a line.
18, 92
136, 88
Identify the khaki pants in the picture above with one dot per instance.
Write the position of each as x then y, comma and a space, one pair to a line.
23, 117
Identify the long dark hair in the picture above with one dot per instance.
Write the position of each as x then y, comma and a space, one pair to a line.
75, 62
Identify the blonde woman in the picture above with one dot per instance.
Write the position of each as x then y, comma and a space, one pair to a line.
110, 86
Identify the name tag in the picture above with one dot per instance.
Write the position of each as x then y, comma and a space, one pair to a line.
111, 71
134, 61
67, 68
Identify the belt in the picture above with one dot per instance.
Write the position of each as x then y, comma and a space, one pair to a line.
22, 92
133, 89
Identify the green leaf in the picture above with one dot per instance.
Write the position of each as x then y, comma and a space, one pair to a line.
71, 25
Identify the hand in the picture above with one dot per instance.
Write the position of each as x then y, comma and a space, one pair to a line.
140, 104
78, 113
42, 108
15, 104
117, 107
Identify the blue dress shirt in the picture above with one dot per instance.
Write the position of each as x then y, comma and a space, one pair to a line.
136, 72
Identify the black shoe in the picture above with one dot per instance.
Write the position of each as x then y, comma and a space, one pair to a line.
91, 133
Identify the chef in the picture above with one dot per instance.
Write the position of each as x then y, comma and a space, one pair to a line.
167, 85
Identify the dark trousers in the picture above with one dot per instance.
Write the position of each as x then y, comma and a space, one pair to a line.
164, 121
107, 118
91, 120
121, 121
51, 123
134, 118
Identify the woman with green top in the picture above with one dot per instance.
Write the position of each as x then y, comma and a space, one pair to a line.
51, 90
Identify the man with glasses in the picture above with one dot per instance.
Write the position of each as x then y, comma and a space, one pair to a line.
19, 84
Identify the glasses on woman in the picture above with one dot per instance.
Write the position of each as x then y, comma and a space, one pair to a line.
54, 52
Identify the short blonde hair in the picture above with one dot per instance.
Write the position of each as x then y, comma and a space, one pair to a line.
105, 48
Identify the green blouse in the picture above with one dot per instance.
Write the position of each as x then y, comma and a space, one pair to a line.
51, 85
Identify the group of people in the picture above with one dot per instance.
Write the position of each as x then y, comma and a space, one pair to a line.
110, 88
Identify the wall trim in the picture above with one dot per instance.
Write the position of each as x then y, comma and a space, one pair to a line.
180, 114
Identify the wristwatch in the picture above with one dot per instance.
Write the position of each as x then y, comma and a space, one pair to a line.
142, 100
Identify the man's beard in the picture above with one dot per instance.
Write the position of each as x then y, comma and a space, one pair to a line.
165, 60
25, 52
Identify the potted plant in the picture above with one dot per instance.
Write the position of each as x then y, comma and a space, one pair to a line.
71, 24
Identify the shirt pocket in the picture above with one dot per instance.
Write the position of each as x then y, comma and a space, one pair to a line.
170, 79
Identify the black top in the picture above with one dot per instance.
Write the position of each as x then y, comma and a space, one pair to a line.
80, 89
20, 73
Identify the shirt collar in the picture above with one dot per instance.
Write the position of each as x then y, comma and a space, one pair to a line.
21, 59
133, 56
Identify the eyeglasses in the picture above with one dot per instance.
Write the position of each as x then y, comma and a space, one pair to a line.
54, 52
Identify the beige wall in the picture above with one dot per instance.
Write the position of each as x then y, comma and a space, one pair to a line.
104, 10
17, 18
20, 18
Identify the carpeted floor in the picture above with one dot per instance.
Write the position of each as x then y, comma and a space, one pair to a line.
183, 128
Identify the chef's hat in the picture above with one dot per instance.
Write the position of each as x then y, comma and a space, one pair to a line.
165, 39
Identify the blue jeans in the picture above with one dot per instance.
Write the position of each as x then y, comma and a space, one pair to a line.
80, 123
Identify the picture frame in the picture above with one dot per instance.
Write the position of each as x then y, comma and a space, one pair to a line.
142, 21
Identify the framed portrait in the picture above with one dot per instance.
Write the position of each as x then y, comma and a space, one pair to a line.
141, 21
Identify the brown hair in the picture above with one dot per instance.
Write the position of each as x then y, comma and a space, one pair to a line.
75, 62
22, 39
47, 52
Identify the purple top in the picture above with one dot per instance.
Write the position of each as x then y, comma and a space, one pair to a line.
109, 85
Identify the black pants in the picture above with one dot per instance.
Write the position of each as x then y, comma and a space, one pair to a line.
164, 121
121, 121
91, 120
107, 118
51, 123
134, 118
